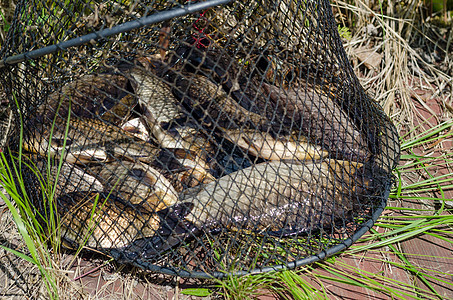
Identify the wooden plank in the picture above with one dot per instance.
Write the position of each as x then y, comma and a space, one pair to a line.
431, 255
374, 262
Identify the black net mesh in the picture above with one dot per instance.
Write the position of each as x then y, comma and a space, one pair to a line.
218, 138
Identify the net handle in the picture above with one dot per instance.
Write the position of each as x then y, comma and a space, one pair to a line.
121, 28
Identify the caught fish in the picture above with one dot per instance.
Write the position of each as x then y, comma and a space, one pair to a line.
276, 198
93, 213
169, 123
92, 141
136, 183
214, 106
262, 144
245, 128
87, 215
319, 118
88, 140
104, 96
269, 195
297, 107
102, 221
160, 108
237, 115
65, 178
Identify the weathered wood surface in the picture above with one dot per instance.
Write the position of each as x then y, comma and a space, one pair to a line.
433, 256
372, 262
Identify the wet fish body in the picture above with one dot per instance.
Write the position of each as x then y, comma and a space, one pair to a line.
91, 217
155, 97
136, 183
213, 106
159, 106
169, 123
263, 145
298, 107
321, 119
248, 130
92, 141
276, 198
71, 178
265, 196
244, 116
94, 214
88, 140
102, 221
90, 96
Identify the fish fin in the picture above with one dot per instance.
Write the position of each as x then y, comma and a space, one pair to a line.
173, 231
137, 128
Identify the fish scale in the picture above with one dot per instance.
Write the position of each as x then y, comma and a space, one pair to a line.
89, 140
102, 221
137, 183
276, 198
266, 194
156, 97
160, 107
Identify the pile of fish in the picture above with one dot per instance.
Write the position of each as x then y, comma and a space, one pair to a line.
158, 151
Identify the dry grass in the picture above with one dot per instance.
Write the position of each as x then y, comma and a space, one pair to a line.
399, 64
406, 63
402, 63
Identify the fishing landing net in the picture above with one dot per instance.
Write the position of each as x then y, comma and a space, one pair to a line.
196, 138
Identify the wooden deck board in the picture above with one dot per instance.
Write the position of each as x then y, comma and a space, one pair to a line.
433, 256
372, 262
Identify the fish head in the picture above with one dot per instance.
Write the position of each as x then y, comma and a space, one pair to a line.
45, 141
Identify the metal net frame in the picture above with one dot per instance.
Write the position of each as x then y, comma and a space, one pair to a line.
197, 138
